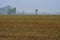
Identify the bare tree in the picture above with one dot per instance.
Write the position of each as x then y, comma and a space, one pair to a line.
36, 11
22, 12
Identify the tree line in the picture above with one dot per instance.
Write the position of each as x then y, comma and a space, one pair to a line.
12, 11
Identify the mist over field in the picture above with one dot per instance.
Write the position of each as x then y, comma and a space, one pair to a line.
29, 19
29, 6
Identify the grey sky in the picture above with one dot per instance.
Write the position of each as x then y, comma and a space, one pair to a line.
31, 5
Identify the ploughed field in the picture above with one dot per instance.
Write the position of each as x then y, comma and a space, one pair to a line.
29, 27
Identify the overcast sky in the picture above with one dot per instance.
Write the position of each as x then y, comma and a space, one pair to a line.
31, 5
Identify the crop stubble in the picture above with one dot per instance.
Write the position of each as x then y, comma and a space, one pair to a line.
29, 27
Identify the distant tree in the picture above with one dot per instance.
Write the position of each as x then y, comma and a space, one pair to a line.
14, 10
22, 12
9, 11
36, 11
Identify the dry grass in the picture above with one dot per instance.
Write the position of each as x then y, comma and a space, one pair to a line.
29, 27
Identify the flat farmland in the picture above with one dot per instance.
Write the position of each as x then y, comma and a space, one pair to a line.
29, 27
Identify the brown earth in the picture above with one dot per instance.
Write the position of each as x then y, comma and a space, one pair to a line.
29, 27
